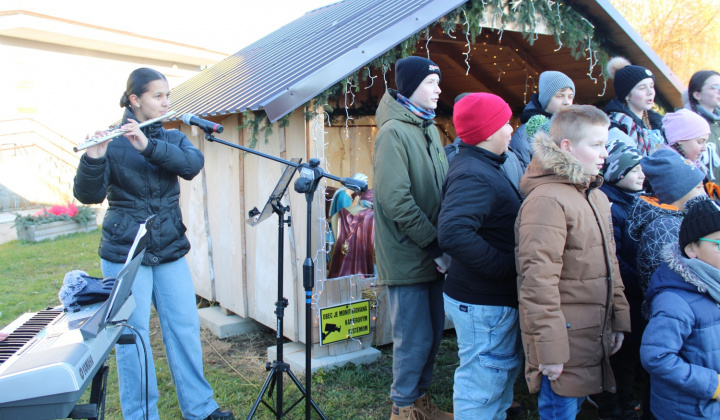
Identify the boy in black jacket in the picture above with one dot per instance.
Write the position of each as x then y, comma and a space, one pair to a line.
476, 229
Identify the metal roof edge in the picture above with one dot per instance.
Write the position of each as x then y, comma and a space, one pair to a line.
309, 87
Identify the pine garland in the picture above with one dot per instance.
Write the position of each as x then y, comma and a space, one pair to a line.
253, 122
570, 28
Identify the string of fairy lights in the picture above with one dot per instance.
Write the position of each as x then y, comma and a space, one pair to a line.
321, 254
569, 28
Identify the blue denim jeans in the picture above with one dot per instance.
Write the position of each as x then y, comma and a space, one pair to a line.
417, 317
170, 289
552, 406
489, 349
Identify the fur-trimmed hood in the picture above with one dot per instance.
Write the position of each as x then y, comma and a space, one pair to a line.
674, 260
551, 164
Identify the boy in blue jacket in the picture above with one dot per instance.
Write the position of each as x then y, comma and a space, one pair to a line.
680, 347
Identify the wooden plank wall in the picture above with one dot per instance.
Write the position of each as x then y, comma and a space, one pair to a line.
351, 151
340, 290
212, 207
235, 264
193, 202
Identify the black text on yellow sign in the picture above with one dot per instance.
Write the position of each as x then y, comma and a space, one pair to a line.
343, 322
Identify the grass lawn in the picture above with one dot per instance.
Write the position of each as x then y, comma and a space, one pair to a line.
31, 275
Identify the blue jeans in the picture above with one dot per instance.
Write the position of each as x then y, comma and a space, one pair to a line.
552, 406
489, 348
170, 289
417, 317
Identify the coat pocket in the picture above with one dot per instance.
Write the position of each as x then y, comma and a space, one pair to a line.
584, 329
116, 226
490, 375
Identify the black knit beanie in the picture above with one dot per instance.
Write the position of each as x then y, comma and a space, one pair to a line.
411, 71
702, 217
627, 77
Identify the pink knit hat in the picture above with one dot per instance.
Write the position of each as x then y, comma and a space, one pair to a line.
684, 125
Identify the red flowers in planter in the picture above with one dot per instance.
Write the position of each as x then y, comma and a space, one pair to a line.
70, 210
82, 215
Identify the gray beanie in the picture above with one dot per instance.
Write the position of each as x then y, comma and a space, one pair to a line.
550, 82
670, 175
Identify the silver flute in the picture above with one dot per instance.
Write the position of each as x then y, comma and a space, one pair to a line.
116, 133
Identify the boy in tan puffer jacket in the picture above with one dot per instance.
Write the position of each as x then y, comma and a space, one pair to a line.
572, 306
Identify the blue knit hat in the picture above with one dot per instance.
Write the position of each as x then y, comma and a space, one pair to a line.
670, 175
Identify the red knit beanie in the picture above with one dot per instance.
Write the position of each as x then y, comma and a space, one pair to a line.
479, 115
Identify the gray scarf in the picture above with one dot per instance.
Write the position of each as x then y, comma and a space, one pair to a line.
708, 277
710, 116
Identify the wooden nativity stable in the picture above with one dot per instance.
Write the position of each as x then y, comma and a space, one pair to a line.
310, 90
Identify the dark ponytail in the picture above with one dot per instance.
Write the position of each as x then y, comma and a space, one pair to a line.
138, 82
696, 84
678, 148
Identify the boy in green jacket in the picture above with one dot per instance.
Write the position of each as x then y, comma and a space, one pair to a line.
410, 166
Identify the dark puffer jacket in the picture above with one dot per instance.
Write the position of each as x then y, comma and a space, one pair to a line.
654, 226
138, 185
626, 249
520, 142
476, 228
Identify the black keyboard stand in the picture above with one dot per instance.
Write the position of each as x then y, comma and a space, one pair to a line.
95, 408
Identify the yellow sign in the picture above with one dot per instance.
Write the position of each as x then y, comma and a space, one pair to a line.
343, 322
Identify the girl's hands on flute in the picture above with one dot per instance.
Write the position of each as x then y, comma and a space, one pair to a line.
133, 133
98, 150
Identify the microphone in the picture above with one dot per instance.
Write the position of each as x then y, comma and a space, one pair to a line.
354, 184
205, 125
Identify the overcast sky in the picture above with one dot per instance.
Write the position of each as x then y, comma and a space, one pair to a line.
221, 25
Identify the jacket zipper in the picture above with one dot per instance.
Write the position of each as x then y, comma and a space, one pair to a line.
609, 281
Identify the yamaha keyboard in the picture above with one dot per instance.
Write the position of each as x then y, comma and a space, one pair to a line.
46, 364
50, 357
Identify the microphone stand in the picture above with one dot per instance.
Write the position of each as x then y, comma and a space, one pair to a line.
307, 183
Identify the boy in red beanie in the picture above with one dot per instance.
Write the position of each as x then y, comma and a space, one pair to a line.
475, 228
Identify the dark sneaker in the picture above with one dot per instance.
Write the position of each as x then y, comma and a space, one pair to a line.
515, 410
221, 415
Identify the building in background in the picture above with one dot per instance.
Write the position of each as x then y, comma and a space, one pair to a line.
60, 81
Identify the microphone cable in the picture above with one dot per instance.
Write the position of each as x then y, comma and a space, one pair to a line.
124, 323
